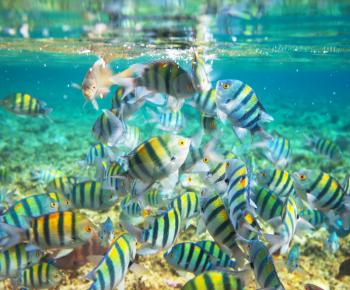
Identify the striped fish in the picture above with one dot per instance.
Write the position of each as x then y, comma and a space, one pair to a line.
200, 73
217, 221
110, 272
238, 102
214, 280
45, 175
278, 181
24, 104
278, 151
40, 276
269, 205
158, 77
223, 259
172, 121
320, 189
325, 147
190, 257
62, 201
161, 233
132, 137
29, 207
238, 195
292, 262
114, 170
62, 184
204, 101
55, 230
131, 207
208, 124
314, 217
192, 182
95, 154
106, 232
17, 258
187, 204
92, 195
108, 128
262, 264
155, 198
158, 157
128, 104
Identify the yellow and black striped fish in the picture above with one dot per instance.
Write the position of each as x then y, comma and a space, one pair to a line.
158, 157
24, 104
62, 184
17, 258
187, 203
325, 147
111, 271
39, 276
214, 280
92, 195
204, 101
55, 230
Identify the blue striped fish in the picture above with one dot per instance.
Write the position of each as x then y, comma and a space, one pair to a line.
172, 121
110, 272
190, 257
292, 262
223, 259
268, 204
187, 204
17, 258
204, 101
238, 102
314, 217
325, 147
25, 104
128, 104
40, 276
62, 184
214, 280
45, 175
278, 181
95, 154
263, 266
92, 195
113, 172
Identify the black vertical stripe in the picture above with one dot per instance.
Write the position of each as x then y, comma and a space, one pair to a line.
73, 224
61, 228
47, 229
165, 230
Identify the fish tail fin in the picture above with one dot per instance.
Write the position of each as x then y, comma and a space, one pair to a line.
13, 236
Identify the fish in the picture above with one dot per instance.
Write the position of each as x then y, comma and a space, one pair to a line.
161, 233
131, 207
45, 175
111, 270
268, 205
192, 182
108, 129
106, 232
155, 197
190, 257
97, 82
278, 181
205, 102
344, 269
95, 154
217, 221
238, 102
200, 72
158, 77
277, 150
325, 147
114, 171
40, 276
29, 207
25, 105
126, 105
320, 190
263, 266
239, 199
17, 258
92, 195
332, 243
223, 259
209, 124
62, 201
292, 262
314, 217
187, 204
214, 280
62, 184
171, 121
158, 157
62, 230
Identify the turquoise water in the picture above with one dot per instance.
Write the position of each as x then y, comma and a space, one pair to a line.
295, 57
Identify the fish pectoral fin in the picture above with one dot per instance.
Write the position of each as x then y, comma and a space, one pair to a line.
63, 253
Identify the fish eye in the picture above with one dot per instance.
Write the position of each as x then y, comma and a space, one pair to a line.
205, 160
227, 164
67, 202
226, 86
88, 229
37, 253
181, 142
53, 204
263, 174
302, 177
94, 87
189, 179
